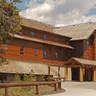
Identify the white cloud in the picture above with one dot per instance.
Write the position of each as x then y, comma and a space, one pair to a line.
60, 12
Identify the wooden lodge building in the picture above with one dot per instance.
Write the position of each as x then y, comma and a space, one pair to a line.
72, 48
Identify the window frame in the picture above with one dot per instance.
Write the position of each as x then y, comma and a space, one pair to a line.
21, 50
35, 52
32, 34
45, 36
5, 48
45, 53
56, 54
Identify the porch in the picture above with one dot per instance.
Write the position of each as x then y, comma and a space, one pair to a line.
81, 69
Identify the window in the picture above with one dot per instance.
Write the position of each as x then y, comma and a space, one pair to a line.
45, 53
5, 48
32, 34
35, 52
87, 43
56, 55
21, 50
22, 77
45, 37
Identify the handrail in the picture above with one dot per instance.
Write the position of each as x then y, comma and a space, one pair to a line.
7, 85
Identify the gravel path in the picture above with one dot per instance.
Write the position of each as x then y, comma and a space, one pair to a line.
78, 89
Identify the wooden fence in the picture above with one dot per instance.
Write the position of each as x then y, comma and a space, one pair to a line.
56, 84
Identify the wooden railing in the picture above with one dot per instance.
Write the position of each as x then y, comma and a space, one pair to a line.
8, 85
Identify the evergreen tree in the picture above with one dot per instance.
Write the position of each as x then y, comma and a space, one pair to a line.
9, 20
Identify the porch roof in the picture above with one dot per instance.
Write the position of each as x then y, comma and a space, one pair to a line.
80, 61
25, 67
42, 41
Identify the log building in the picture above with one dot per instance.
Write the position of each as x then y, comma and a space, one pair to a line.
73, 47
83, 57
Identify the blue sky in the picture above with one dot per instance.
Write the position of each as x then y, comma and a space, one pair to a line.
92, 12
22, 6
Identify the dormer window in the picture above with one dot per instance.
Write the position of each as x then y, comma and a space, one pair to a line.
45, 37
32, 34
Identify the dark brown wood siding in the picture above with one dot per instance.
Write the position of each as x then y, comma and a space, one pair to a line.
40, 34
78, 51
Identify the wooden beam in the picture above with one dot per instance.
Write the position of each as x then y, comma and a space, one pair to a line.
49, 73
66, 73
59, 72
81, 74
94, 74
73, 66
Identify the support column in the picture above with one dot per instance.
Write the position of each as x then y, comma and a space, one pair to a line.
94, 74
81, 74
59, 72
66, 73
48, 73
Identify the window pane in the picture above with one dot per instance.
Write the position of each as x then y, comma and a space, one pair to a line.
44, 37
32, 34
45, 53
56, 54
5, 48
35, 52
21, 48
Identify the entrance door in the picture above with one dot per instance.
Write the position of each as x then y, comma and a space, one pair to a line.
75, 74
88, 74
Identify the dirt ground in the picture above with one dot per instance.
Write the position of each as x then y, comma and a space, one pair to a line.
78, 89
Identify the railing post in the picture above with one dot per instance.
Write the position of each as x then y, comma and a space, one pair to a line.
6, 91
55, 89
59, 85
37, 90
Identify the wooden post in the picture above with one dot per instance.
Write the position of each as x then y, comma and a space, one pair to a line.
59, 85
81, 74
37, 90
59, 72
66, 73
55, 89
6, 91
48, 73
94, 74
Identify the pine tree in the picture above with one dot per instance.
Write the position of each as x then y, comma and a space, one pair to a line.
9, 20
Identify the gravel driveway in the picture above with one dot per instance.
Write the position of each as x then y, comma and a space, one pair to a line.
78, 89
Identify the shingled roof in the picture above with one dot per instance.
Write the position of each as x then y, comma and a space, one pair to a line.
77, 32
25, 67
42, 41
39, 26
81, 61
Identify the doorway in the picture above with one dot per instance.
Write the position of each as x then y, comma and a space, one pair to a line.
75, 74
88, 74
